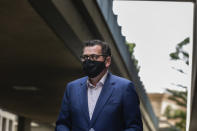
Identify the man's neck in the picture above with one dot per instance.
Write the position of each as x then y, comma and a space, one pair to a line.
96, 79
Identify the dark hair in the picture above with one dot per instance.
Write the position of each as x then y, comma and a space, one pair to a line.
105, 47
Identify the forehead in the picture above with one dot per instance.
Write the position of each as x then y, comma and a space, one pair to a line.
96, 49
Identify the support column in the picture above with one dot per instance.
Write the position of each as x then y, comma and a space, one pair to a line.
7, 124
1, 120
24, 124
13, 126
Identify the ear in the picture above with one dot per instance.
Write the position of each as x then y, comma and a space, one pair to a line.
108, 62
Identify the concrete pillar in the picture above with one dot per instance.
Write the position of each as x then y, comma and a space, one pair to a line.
13, 126
24, 124
10, 126
7, 124
1, 121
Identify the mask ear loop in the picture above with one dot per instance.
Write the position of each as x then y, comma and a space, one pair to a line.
106, 57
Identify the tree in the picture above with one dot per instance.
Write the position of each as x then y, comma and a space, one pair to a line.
131, 47
180, 53
180, 97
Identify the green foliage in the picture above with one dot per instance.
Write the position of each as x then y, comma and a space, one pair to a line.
131, 47
170, 113
180, 54
179, 70
180, 97
181, 124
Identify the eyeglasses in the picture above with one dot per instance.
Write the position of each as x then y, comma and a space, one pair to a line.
90, 57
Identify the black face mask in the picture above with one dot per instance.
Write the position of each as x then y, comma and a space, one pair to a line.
93, 68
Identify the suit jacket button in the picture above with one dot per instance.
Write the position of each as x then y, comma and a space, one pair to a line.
91, 129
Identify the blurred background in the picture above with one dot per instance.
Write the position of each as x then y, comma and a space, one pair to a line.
153, 44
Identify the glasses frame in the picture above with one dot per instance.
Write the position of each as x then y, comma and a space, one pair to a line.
93, 57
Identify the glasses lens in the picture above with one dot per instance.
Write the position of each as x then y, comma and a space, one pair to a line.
91, 57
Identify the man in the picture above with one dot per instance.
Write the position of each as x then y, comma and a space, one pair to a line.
100, 101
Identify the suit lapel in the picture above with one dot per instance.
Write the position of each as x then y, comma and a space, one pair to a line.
83, 99
104, 96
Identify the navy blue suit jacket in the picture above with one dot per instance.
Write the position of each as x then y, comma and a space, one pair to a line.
117, 108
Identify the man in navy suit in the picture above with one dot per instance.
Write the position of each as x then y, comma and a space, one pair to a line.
100, 101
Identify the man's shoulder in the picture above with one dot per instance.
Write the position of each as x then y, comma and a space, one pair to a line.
120, 79
123, 83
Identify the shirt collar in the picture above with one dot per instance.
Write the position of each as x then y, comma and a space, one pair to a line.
101, 81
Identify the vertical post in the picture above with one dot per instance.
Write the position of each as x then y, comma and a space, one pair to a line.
1, 121
7, 124
13, 125
24, 124
190, 119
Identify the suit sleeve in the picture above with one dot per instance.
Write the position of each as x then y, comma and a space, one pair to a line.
63, 122
131, 110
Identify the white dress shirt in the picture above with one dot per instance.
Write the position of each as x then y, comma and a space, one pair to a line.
93, 93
